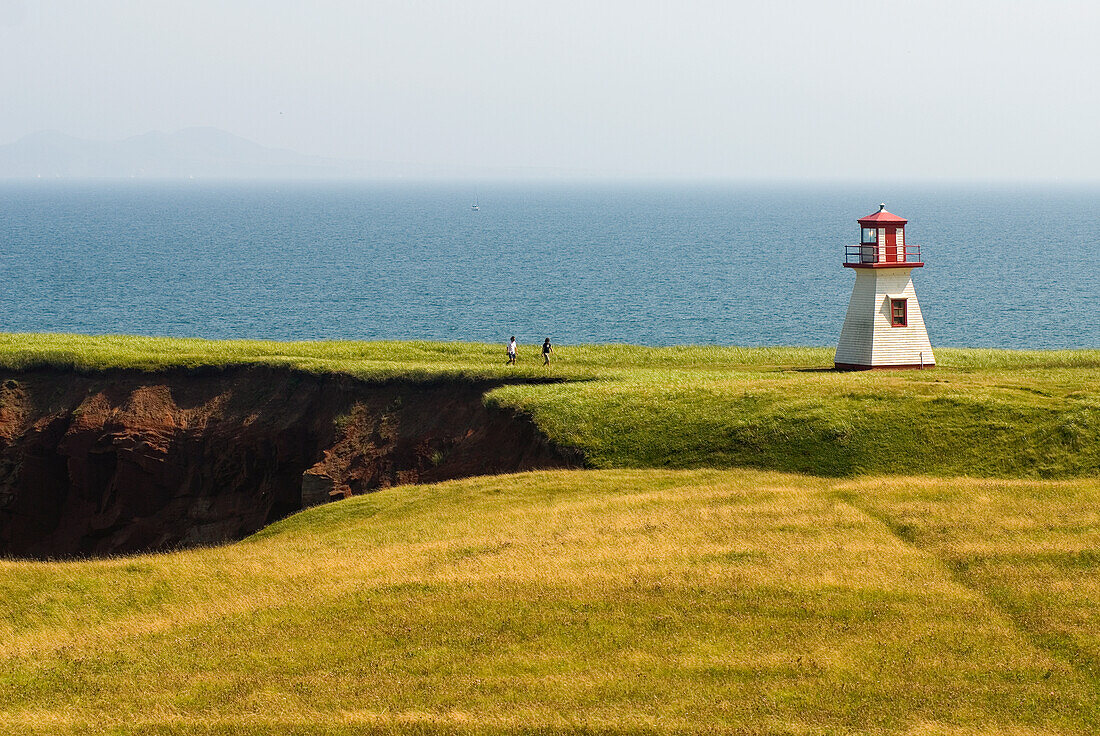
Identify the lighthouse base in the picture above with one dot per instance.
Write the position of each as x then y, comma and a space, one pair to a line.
884, 328
854, 367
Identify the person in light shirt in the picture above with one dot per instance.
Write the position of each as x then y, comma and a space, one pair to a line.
512, 351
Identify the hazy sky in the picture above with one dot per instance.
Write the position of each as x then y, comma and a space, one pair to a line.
960, 89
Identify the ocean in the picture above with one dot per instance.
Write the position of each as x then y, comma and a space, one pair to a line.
1006, 266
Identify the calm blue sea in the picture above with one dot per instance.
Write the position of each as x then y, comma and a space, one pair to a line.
1012, 267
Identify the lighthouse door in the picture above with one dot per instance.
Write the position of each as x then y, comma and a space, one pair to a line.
891, 245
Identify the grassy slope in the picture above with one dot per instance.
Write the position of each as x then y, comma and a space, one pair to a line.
1037, 421
619, 600
622, 600
981, 413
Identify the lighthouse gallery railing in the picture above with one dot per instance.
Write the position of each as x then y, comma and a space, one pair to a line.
872, 253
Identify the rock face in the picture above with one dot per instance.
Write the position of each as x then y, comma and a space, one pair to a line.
124, 462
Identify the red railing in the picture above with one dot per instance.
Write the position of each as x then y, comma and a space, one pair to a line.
872, 253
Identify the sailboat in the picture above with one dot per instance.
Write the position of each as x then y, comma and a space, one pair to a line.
475, 208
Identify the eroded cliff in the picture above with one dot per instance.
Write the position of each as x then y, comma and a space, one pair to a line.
123, 462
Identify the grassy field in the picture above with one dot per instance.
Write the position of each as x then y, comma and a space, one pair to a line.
656, 600
614, 601
980, 413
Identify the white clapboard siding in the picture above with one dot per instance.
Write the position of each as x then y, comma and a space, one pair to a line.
867, 338
856, 342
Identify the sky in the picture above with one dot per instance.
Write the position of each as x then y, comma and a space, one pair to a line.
966, 89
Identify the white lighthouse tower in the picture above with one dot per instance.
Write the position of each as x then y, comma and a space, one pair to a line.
884, 327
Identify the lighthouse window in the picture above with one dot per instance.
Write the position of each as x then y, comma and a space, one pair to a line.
899, 316
870, 236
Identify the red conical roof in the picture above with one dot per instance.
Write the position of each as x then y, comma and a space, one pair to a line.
882, 217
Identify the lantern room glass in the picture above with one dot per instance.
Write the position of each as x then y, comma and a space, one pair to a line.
869, 236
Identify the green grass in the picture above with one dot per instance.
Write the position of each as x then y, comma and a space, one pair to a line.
1031, 422
990, 413
617, 601
370, 361
587, 601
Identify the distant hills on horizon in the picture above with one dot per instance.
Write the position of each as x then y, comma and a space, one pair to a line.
209, 153
204, 153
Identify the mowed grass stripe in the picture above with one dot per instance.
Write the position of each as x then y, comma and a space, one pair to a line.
1032, 550
622, 600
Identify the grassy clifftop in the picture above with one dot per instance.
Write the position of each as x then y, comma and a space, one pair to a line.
425, 359
610, 601
1029, 419
622, 600
980, 412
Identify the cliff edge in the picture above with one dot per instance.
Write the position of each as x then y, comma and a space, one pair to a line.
125, 461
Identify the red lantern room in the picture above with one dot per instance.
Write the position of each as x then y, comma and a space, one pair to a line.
882, 243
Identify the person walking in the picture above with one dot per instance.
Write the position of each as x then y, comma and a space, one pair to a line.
547, 348
511, 351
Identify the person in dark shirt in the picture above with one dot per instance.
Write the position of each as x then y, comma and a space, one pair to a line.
547, 348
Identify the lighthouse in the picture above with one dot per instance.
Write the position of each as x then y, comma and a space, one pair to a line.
884, 327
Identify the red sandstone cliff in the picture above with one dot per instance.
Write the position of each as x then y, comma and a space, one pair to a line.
123, 462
